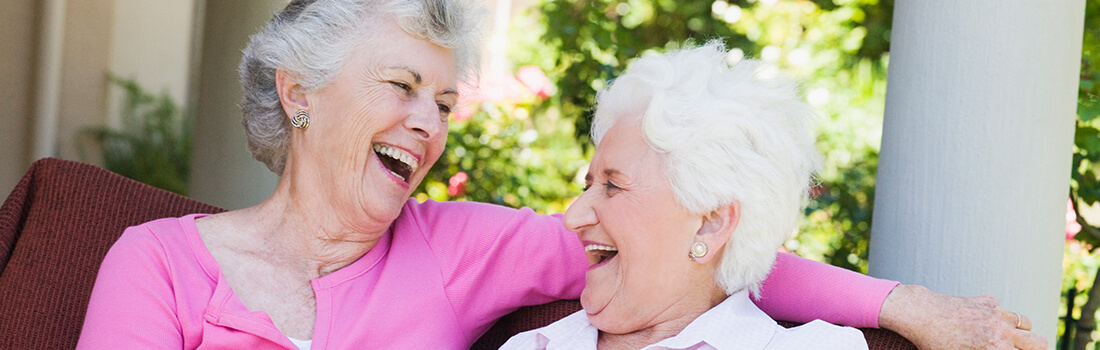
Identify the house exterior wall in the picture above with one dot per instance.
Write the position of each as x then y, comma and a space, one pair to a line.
18, 23
223, 172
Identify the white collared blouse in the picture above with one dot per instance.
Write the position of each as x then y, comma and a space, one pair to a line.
735, 324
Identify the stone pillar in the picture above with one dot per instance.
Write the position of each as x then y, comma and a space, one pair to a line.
223, 172
976, 150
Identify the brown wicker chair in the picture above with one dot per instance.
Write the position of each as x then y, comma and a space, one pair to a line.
62, 217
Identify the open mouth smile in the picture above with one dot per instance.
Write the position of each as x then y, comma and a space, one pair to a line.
399, 162
604, 253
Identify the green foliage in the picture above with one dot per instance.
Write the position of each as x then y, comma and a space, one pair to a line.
595, 40
1086, 155
154, 145
510, 152
1080, 265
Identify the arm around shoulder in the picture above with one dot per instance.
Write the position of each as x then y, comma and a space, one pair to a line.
132, 304
802, 290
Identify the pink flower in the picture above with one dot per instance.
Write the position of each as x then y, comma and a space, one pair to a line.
457, 184
469, 98
1072, 227
818, 190
536, 81
463, 111
499, 88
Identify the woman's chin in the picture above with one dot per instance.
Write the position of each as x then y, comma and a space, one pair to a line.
608, 324
592, 302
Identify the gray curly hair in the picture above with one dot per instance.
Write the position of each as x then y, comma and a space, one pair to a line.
309, 40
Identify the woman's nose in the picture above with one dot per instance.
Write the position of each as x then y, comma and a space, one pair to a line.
425, 120
579, 214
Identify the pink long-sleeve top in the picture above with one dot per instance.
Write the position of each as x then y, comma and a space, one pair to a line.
439, 278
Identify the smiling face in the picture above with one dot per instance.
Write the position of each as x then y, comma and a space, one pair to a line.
636, 236
377, 128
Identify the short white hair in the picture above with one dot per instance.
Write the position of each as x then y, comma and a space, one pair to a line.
724, 133
310, 39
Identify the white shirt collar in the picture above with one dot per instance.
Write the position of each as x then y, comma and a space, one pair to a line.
734, 324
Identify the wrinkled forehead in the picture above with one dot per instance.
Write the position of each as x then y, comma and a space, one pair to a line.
623, 144
387, 45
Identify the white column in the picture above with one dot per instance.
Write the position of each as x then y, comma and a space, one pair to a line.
48, 92
976, 149
223, 172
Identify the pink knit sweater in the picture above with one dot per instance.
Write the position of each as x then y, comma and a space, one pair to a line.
439, 278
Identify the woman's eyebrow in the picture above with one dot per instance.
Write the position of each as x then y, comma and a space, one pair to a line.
418, 79
415, 74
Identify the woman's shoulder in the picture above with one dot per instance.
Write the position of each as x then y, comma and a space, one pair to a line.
435, 217
161, 239
818, 334
163, 229
456, 208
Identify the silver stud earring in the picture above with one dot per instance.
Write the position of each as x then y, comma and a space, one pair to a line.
300, 120
698, 251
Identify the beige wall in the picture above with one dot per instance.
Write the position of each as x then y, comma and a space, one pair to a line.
17, 27
151, 45
83, 67
223, 172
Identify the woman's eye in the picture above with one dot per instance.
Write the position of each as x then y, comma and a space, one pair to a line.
445, 109
401, 86
610, 187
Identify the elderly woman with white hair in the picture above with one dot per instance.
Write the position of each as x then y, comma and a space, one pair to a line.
347, 101
700, 174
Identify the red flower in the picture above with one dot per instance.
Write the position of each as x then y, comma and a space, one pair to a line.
818, 190
457, 184
1072, 227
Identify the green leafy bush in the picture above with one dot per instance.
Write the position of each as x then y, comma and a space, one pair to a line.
154, 144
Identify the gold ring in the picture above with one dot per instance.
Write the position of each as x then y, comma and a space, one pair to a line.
1019, 320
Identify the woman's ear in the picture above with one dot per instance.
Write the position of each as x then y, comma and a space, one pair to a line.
290, 93
717, 228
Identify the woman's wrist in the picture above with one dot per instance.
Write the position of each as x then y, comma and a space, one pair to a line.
897, 312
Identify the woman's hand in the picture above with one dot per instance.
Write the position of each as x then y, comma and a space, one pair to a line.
938, 321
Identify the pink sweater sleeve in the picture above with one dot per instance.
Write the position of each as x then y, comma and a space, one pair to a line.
802, 290
496, 259
132, 304
524, 259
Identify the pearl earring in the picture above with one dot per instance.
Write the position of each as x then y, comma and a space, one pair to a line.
698, 251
